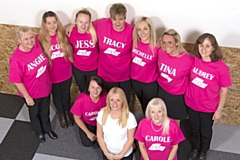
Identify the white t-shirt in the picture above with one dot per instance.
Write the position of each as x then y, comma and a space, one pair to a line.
115, 136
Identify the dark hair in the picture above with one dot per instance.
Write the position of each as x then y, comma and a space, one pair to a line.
216, 53
99, 81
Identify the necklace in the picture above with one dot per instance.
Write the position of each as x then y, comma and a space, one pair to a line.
155, 129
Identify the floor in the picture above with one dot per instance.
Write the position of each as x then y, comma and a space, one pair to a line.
18, 141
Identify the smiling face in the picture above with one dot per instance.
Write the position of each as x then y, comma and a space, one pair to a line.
51, 25
205, 49
94, 89
169, 45
27, 41
156, 114
143, 31
118, 22
83, 22
115, 102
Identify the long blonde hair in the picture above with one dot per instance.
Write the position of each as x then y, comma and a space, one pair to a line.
44, 37
158, 103
123, 118
91, 29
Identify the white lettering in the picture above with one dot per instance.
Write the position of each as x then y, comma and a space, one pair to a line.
114, 43
84, 44
144, 55
167, 69
202, 73
37, 61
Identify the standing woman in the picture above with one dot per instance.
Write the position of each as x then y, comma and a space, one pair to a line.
158, 136
86, 108
144, 61
115, 127
206, 93
59, 52
85, 49
174, 65
28, 71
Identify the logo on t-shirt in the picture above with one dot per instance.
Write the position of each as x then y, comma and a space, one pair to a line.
41, 70
57, 54
155, 147
112, 51
199, 82
83, 53
139, 61
36, 62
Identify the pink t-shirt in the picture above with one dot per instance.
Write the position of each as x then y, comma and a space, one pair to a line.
206, 80
85, 53
115, 51
30, 68
87, 109
61, 68
158, 146
174, 72
144, 63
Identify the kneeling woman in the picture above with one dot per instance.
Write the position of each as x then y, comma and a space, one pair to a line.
86, 108
158, 136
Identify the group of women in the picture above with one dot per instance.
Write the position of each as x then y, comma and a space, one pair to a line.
107, 58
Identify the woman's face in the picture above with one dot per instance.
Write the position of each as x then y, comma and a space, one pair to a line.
27, 41
205, 49
51, 25
169, 45
118, 22
143, 31
94, 89
83, 23
115, 102
156, 114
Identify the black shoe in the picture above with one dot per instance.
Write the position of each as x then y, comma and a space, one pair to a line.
69, 118
41, 137
52, 135
193, 154
202, 156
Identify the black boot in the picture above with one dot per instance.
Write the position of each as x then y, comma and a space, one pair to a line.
193, 154
62, 120
69, 118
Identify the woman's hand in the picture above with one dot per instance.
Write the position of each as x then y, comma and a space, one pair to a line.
117, 157
217, 114
110, 156
30, 101
69, 29
92, 136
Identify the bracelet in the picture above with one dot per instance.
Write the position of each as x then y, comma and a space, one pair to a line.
221, 108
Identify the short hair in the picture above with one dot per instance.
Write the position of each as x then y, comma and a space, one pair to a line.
136, 38
99, 81
22, 30
158, 102
216, 53
176, 37
117, 9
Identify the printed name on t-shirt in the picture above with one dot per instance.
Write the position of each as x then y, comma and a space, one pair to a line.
142, 54
94, 113
83, 53
138, 61
57, 54
203, 74
158, 138
156, 147
112, 51
167, 71
84, 44
114, 43
36, 62
41, 70
55, 47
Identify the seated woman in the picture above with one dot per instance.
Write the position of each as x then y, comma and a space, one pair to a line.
115, 127
86, 108
158, 136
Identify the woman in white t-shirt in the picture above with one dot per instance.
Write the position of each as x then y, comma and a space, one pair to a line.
115, 127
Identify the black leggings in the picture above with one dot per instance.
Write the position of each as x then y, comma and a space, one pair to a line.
84, 138
130, 157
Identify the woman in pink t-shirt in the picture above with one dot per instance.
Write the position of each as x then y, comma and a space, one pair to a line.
158, 136
206, 93
59, 52
85, 49
144, 61
86, 108
174, 65
28, 71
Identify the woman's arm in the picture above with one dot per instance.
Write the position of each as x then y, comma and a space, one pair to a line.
81, 124
223, 97
69, 29
173, 152
102, 143
23, 90
143, 150
127, 145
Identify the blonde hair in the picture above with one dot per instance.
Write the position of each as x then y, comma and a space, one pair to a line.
117, 9
22, 30
176, 37
91, 29
44, 37
152, 38
159, 103
123, 118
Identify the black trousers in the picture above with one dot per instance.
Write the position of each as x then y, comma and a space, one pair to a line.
145, 92
84, 138
201, 129
61, 95
126, 86
130, 157
82, 77
39, 114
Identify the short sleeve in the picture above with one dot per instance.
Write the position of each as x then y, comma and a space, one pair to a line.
177, 133
132, 123
138, 134
99, 117
76, 108
15, 71
225, 77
